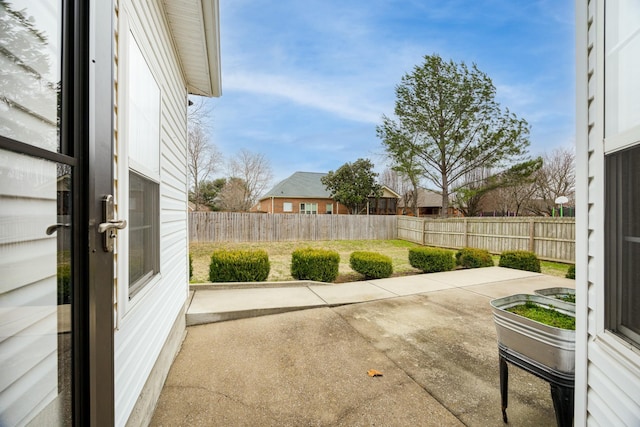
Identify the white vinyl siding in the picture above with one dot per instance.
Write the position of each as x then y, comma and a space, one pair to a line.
28, 299
607, 368
143, 323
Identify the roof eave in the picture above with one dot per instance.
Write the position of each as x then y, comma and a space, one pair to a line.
195, 30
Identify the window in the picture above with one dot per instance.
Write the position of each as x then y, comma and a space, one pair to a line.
623, 243
287, 207
308, 208
329, 208
622, 175
622, 86
143, 141
143, 231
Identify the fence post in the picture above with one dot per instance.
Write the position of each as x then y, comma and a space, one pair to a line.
532, 234
424, 232
466, 233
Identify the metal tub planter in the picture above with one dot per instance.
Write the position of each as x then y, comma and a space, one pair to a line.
558, 293
545, 351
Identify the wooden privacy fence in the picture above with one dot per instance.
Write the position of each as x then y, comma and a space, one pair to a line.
551, 239
252, 227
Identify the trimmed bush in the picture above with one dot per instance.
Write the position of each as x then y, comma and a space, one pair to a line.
473, 258
315, 264
64, 283
431, 260
371, 264
520, 260
239, 266
571, 272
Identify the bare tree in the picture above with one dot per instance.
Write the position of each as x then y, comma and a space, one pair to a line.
254, 171
232, 196
402, 185
556, 178
203, 156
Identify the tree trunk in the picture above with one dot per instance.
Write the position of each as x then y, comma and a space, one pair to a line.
445, 196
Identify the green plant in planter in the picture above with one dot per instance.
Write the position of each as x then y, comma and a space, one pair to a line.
520, 260
371, 264
431, 260
548, 316
473, 258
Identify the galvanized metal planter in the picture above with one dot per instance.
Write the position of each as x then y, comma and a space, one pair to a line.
556, 293
554, 348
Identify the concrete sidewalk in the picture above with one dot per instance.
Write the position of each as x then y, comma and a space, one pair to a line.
215, 303
431, 335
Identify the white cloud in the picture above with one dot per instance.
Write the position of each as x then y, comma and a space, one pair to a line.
324, 96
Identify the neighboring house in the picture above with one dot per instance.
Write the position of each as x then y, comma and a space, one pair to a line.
607, 388
429, 203
386, 204
93, 133
304, 193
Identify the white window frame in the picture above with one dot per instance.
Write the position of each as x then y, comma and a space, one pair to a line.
287, 207
620, 341
309, 208
125, 297
329, 208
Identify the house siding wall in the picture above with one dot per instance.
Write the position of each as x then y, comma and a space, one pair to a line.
607, 370
276, 205
145, 321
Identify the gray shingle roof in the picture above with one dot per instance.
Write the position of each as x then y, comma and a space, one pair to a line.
300, 184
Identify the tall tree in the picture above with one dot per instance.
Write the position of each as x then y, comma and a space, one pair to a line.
556, 178
447, 117
209, 193
233, 195
352, 184
255, 173
203, 157
203, 160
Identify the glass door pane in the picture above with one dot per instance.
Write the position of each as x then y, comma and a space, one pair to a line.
30, 80
35, 220
35, 290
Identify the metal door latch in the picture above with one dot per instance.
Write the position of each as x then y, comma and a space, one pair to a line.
110, 224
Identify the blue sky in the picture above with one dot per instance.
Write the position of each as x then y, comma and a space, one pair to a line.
306, 82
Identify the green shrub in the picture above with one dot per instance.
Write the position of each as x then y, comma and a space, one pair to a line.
520, 260
190, 266
431, 260
315, 264
64, 283
239, 266
371, 264
473, 258
571, 272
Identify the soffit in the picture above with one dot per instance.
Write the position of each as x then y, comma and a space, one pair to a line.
195, 28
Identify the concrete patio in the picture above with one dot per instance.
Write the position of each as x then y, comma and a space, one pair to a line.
299, 355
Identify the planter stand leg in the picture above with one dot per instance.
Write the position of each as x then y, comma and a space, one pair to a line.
563, 404
504, 387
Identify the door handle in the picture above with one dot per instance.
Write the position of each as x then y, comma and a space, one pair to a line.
110, 224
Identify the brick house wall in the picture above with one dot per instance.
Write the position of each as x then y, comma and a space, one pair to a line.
277, 205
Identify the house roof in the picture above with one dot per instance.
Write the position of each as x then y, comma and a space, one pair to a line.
426, 198
308, 185
195, 28
300, 185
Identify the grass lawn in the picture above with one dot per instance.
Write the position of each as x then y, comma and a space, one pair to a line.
280, 257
